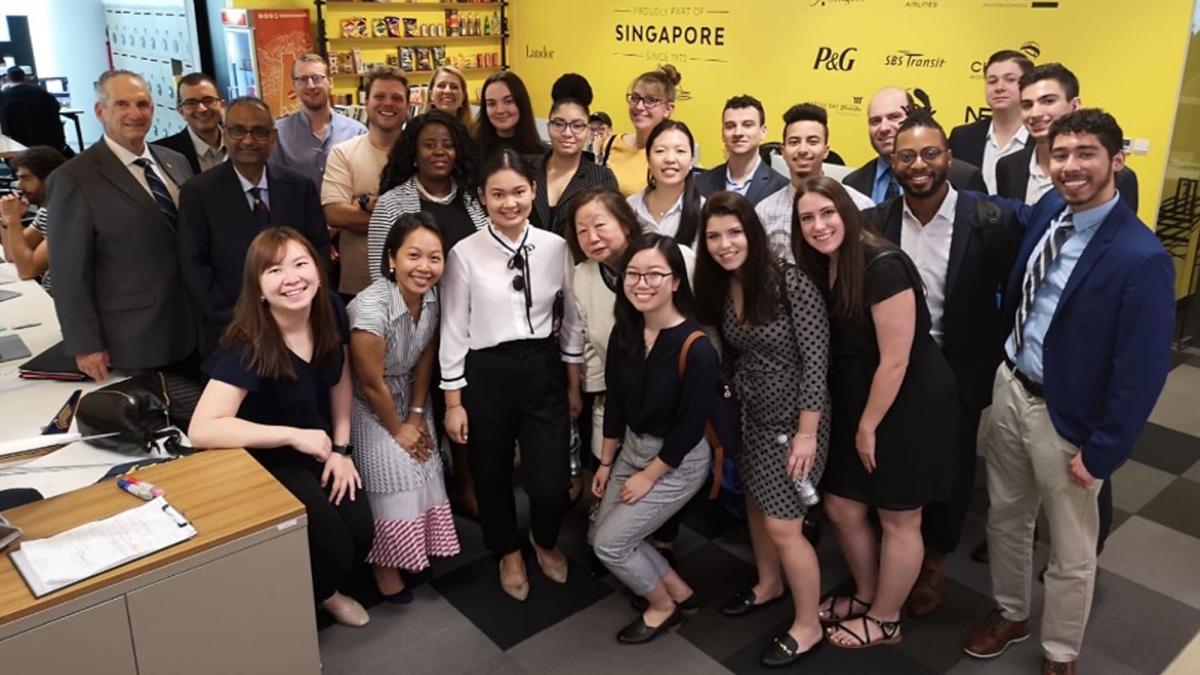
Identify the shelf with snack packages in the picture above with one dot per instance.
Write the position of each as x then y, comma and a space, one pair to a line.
454, 23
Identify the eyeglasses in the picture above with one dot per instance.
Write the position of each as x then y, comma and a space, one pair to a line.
561, 125
191, 103
652, 279
314, 79
237, 132
649, 102
517, 262
907, 157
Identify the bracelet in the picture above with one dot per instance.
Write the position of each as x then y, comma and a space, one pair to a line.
417, 409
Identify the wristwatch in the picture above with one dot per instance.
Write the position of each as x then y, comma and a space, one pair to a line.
363, 200
344, 449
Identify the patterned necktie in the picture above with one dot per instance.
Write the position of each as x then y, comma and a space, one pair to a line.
262, 215
1037, 274
162, 196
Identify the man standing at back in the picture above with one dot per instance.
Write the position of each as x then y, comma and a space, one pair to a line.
112, 214
307, 135
886, 111
202, 109
983, 143
743, 127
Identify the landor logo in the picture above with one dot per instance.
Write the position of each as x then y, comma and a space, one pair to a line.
831, 59
538, 53
906, 59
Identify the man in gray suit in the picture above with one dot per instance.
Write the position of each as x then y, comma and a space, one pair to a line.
117, 289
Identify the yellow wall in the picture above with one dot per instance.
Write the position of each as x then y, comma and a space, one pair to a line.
1128, 57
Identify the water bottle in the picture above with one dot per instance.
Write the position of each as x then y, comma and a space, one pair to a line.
804, 486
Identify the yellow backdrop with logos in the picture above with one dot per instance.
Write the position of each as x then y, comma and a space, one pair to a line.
1129, 58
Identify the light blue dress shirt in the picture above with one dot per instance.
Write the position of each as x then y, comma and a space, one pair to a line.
1045, 300
298, 149
883, 174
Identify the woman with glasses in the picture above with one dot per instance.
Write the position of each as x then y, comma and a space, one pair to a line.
448, 93
670, 204
563, 172
506, 119
657, 415
651, 100
506, 295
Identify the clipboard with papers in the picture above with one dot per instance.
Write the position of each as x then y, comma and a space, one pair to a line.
50, 564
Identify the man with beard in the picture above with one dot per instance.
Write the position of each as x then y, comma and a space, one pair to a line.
963, 246
222, 210
351, 183
743, 127
307, 135
886, 111
201, 108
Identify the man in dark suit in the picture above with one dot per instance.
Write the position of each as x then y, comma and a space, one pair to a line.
1048, 92
984, 142
1089, 308
885, 113
29, 114
222, 210
963, 247
201, 107
743, 128
111, 228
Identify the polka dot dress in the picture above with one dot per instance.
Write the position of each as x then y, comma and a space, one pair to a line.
780, 369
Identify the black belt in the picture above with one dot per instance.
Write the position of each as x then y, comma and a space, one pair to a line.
522, 347
1032, 388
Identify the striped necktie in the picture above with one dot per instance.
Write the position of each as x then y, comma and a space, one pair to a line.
162, 196
262, 215
1037, 274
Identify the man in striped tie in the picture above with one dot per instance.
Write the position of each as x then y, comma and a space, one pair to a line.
112, 213
1091, 307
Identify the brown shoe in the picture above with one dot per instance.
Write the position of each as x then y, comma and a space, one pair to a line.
1058, 667
926, 595
995, 635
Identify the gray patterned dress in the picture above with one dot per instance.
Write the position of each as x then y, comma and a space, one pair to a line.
407, 497
780, 369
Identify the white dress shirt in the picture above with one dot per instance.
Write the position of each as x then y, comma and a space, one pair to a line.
481, 308
207, 154
993, 152
1039, 183
929, 247
261, 185
139, 174
668, 225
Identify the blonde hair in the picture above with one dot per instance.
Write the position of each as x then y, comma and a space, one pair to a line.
463, 114
666, 76
309, 58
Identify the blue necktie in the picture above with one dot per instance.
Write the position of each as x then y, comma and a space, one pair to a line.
162, 196
893, 188
262, 215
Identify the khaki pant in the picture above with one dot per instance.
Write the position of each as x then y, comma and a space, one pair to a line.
1027, 469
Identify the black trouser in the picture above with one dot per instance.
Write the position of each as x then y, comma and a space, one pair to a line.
1105, 500
517, 392
338, 536
942, 522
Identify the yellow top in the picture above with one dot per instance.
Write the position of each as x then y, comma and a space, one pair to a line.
629, 165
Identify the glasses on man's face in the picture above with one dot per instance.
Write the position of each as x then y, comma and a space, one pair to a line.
652, 279
576, 127
649, 102
309, 79
237, 132
927, 155
192, 103
517, 262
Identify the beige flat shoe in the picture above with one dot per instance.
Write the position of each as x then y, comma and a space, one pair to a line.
516, 589
346, 611
556, 572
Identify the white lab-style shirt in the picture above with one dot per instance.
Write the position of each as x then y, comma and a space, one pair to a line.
928, 246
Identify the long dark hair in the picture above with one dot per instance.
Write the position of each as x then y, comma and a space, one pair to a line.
630, 323
858, 242
611, 200
761, 275
507, 159
253, 327
525, 138
689, 220
402, 160
405, 225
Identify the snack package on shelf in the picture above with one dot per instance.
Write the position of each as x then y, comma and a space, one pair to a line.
357, 60
407, 59
355, 27
439, 56
452, 23
393, 60
424, 59
335, 66
394, 28
410, 27
379, 27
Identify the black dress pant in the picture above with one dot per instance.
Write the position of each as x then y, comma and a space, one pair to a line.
338, 536
942, 522
517, 392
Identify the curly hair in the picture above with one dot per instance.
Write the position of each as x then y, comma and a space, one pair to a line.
402, 160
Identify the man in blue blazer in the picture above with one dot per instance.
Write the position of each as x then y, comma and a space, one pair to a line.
1091, 306
743, 128
223, 209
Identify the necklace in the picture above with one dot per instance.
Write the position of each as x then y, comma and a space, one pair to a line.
437, 200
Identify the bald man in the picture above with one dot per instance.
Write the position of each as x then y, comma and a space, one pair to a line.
886, 111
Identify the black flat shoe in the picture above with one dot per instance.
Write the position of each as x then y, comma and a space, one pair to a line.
688, 607
783, 650
637, 632
746, 602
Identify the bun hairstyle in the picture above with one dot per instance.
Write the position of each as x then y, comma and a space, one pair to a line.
666, 76
571, 87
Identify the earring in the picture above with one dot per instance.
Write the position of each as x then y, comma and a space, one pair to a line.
392, 271
263, 299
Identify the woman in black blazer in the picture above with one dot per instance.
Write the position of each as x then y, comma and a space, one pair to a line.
565, 170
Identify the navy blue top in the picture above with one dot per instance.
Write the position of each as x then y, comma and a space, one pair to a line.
304, 403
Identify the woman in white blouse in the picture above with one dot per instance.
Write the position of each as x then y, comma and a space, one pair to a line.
506, 292
670, 205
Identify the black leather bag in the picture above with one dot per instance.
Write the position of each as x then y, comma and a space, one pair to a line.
142, 410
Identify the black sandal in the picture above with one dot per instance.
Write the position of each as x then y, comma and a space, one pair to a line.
838, 618
890, 630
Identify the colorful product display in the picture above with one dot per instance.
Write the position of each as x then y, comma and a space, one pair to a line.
457, 23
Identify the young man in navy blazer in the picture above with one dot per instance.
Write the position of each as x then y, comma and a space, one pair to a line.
1091, 307
743, 128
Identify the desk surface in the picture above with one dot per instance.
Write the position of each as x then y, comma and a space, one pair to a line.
226, 495
9, 147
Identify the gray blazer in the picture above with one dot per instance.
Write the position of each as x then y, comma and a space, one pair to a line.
117, 285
